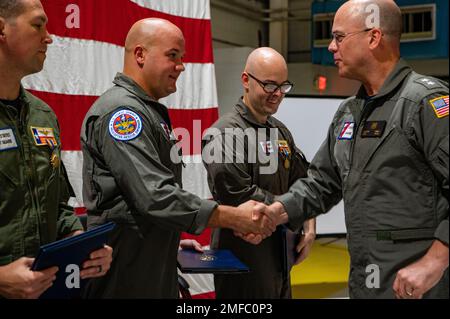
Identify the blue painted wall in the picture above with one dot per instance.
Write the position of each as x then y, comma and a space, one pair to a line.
432, 49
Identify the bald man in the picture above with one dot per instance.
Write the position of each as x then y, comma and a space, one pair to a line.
387, 156
233, 182
129, 176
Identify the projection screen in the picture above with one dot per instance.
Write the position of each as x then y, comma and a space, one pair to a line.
308, 118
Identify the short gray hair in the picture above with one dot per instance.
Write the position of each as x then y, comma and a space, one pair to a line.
390, 16
11, 8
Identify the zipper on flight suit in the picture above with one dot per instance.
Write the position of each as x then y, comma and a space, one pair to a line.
30, 172
17, 119
365, 111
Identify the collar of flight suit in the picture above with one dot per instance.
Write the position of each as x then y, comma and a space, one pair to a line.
23, 99
395, 78
24, 104
245, 112
130, 85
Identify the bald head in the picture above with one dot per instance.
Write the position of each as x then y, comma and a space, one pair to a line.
364, 13
154, 51
264, 76
265, 59
148, 32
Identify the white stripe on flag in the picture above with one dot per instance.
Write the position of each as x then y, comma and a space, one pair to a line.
196, 88
87, 67
199, 283
195, 176
77, 67
197, 9
73, 161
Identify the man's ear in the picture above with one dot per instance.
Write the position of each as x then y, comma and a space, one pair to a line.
375, 38
244, 80
139, 55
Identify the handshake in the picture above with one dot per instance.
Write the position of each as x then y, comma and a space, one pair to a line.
256, 221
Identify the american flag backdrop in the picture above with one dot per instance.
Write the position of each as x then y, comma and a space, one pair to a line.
87, 51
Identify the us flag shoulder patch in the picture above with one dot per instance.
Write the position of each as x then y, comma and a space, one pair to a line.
440, 106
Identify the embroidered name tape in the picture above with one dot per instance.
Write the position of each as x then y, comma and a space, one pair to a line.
7, 139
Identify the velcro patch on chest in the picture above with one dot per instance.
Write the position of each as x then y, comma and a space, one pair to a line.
373, 129
440, 106
266, 146
7, 139
347, 131
125, 125
44, 136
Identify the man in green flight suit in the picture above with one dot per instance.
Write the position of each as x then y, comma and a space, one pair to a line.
387, 156
233, 181
34, 188
132, 171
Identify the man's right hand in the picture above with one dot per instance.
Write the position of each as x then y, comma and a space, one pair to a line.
252, 220
18, 281
274, 215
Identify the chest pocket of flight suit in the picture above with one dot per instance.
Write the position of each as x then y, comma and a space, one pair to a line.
400, 182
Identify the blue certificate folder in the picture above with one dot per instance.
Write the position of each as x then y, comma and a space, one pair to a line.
220, 261
69, 251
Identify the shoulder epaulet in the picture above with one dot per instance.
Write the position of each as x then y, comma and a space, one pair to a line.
420, 86
428, 82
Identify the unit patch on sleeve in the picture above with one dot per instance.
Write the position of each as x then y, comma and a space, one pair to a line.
440, 106
125, 125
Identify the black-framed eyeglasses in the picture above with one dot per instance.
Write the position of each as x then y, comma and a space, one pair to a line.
340, 36
270, 87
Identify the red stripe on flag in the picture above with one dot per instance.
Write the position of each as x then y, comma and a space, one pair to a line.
443, 110
71, 110
195, 121
206, 295
98, 18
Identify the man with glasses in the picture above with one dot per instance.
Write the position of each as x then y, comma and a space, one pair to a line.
387, 156
234, 181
